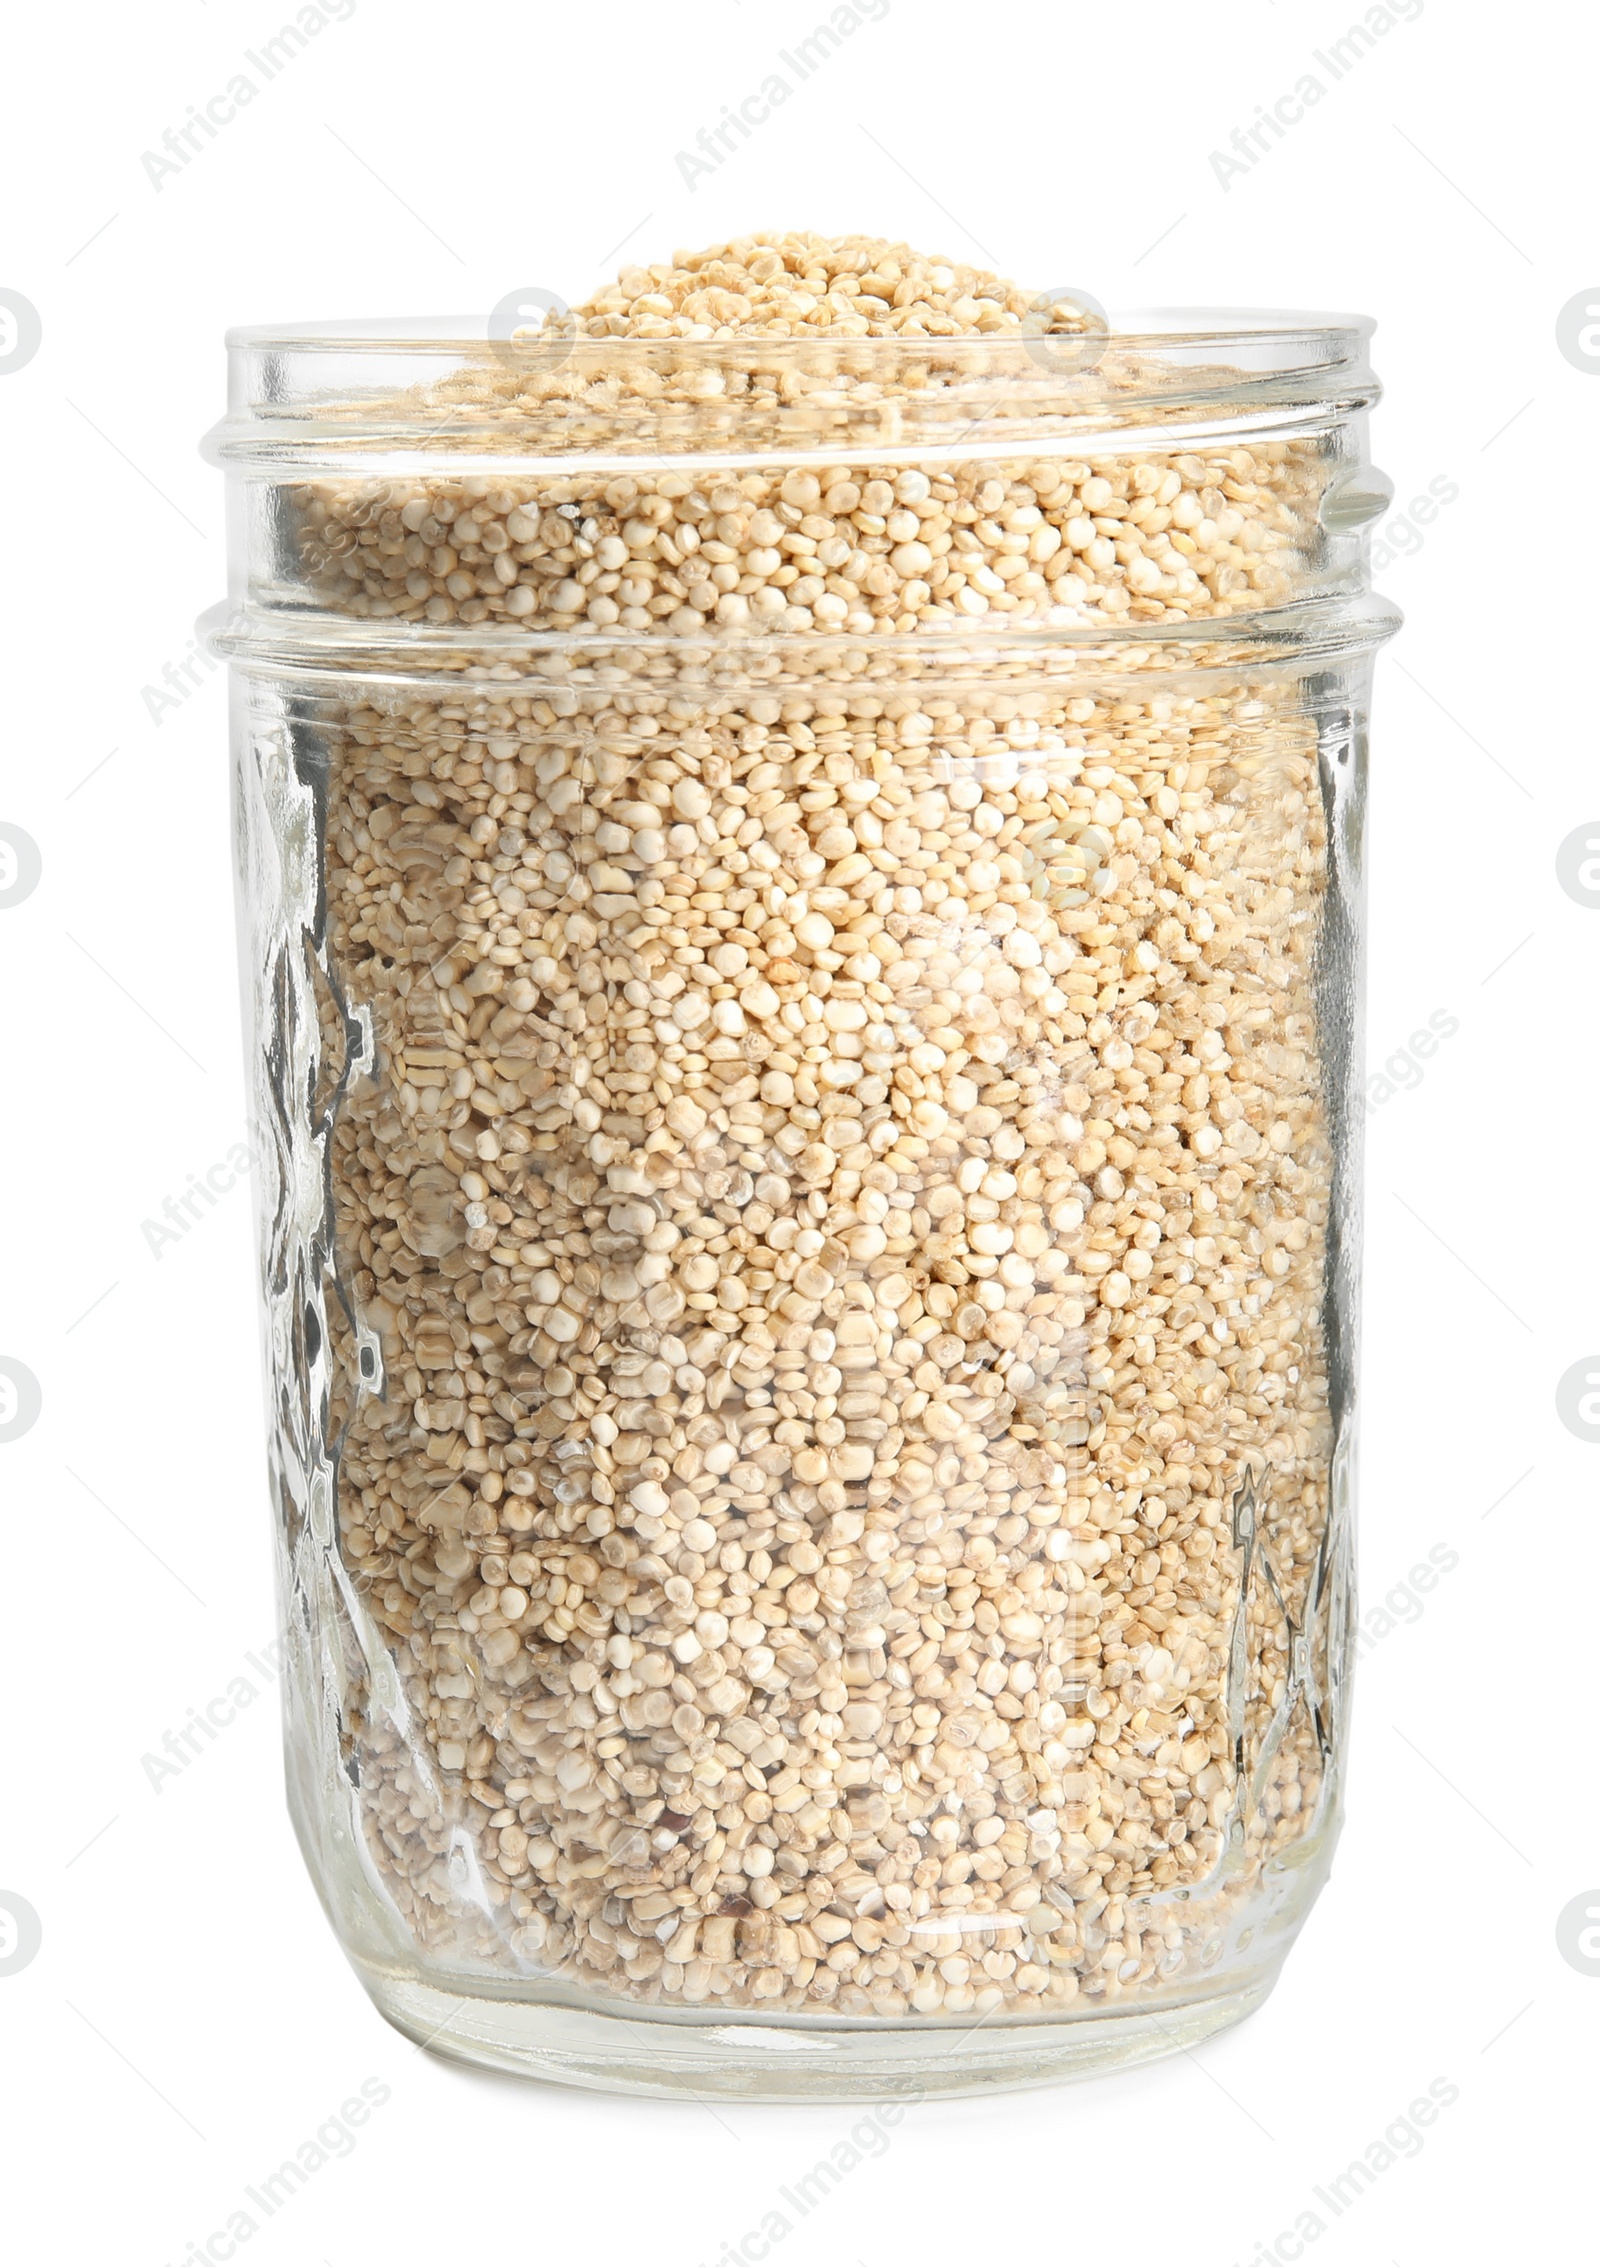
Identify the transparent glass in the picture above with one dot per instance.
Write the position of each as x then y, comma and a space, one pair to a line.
810, 1191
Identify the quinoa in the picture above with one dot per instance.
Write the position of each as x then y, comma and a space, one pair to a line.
839, 1210
1142, 540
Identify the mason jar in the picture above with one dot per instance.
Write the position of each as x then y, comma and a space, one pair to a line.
808, 1176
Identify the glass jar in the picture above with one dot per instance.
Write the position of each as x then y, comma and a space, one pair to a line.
808, 1202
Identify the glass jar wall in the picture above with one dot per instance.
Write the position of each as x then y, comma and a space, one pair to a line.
809, 1226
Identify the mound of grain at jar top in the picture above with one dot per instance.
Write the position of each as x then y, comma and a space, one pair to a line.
843, 1182
1038, 542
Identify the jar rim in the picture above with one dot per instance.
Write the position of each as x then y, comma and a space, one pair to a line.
1149, 328
320, 395
1317, 632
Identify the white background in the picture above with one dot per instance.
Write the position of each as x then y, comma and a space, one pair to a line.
189, 2020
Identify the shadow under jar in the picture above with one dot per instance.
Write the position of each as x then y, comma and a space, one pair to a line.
808, 1197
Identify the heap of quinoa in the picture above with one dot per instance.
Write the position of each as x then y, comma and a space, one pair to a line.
842, 1205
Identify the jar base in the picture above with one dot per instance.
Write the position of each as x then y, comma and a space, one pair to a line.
679, 2058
